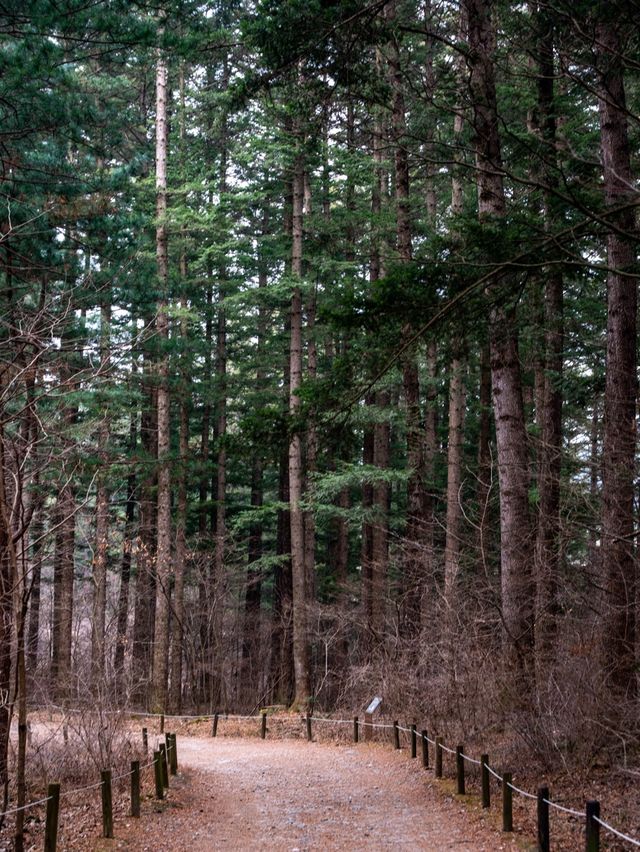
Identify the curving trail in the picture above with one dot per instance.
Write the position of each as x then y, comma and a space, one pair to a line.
294, 795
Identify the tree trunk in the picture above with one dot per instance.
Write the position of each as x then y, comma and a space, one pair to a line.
296, 472
163, 548
122, 622
511, 435
617, 541
457, 400
101, 550
145, 588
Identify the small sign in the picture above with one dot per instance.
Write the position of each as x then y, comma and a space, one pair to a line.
375, 704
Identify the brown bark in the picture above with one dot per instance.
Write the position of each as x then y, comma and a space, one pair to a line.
511, 436
101, 549
483, 487
122, 622
145, 587
454, 518
617, 540
163, 546
296, 472
8, 578
548, 391
281, 675
37, 532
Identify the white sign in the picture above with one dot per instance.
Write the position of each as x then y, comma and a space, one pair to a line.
376, 702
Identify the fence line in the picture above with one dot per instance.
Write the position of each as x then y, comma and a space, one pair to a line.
505, 780
499, 777
169, 754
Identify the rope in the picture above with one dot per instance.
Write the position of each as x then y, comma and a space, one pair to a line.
328, 721
617, 833
562, 808
522, 792
494, 773
471, 759
24, 807
81, 789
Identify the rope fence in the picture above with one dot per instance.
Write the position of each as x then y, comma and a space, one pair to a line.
591, 814
165, 763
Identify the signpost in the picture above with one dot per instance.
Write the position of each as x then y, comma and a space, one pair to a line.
374, 707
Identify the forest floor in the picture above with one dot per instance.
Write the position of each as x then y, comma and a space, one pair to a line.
237, 791
249, 794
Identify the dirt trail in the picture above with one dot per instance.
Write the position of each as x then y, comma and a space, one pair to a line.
295, 796
285, 795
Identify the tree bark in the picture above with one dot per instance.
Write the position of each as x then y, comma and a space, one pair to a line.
101, 549
163, 547
511, 436
617, 541
454, 518
296, 472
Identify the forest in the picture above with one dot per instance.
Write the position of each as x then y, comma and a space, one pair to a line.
318, 362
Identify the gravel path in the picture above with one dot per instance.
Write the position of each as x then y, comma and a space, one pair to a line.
295, 796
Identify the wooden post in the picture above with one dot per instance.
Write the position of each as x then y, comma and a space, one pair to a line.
107, 804
486, 785
135, 788
164, 764
173, 766
593, 827
460, 770
368, 727
157, 770
438, 770
396, 735
543, 819
309, 735
145, 740
507, 802
414, 741
425, 750
263, 729
174, 754
355, 729
65, 733
51, 825
214, 730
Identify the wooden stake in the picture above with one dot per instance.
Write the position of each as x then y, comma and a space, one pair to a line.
53, 811
414, 742
214, 730
164, 765
107, 804
135, 788
438, 770
486, 784
309, 736
396, 735
425, 750
543, 819
145, 740
355, 729
460, 770
263, 729
593, 827
157, 770
507, 802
